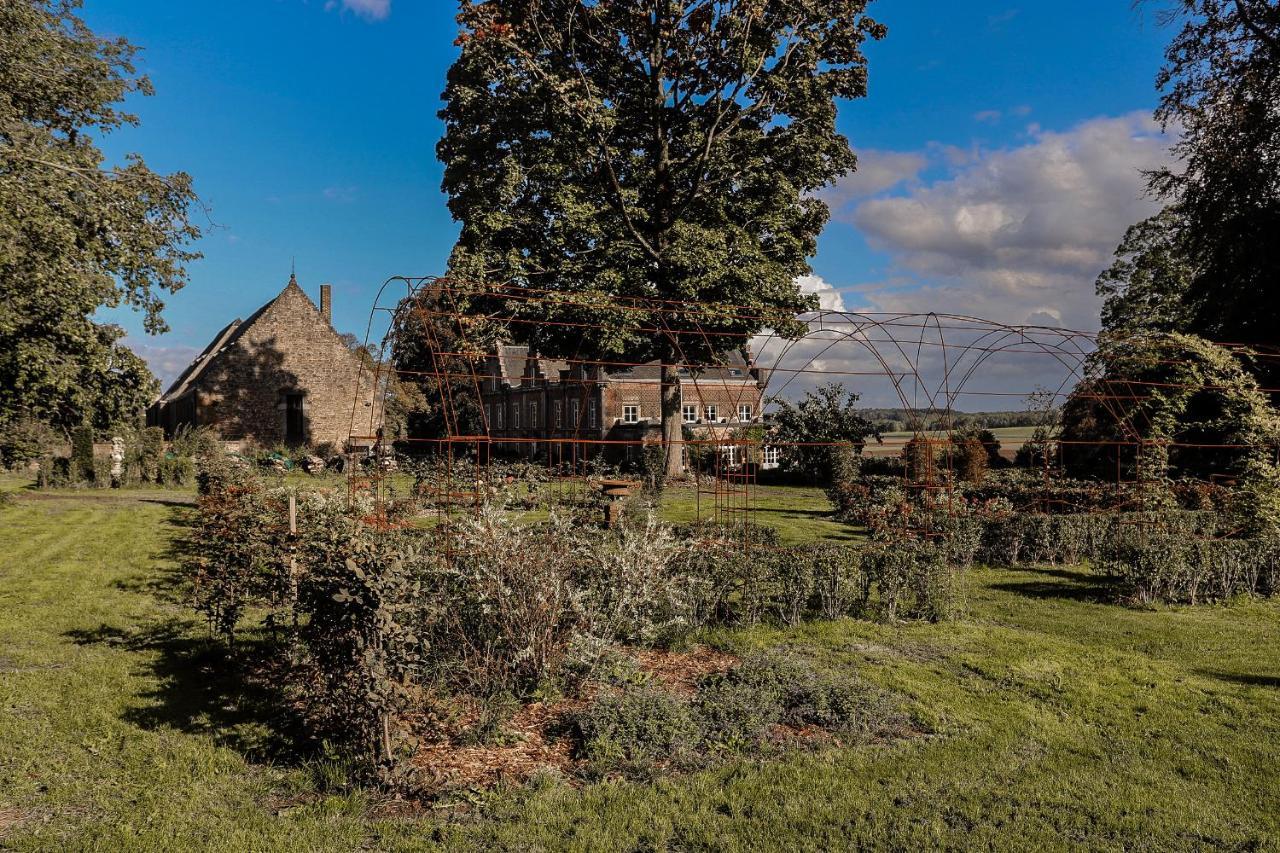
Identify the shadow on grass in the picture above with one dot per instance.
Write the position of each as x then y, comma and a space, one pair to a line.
1063, 584
202, 686
203, 689
1242, 678
167, 582
182, 504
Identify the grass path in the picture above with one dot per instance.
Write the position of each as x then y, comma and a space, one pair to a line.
1058, 722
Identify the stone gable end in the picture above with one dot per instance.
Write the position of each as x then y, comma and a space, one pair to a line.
287, 348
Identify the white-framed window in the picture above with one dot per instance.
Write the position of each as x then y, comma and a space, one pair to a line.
574, 413
689, 413
731, 455
533, 415
515, 415
502, 415
771, 456
630, 413
488, 416
557, 414
593, 417
711, 414
744, 411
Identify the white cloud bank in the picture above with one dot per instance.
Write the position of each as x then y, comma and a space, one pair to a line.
1018, 233
1015, 236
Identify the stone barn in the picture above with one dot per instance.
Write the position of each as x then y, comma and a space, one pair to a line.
282, 376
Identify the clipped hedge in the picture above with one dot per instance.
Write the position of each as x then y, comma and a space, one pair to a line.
1177, 556
912, 579
1160, 567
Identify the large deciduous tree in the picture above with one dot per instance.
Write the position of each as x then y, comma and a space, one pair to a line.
1210, 263
76, 234
622, 152
1145, 288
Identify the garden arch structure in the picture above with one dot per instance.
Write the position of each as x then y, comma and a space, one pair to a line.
928, 364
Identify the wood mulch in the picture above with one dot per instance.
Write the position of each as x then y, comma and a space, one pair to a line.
537, 739
680, 672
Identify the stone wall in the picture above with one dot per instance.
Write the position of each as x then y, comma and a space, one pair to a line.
288, 348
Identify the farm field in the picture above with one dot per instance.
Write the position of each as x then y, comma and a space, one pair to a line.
1010, 438
1055, 720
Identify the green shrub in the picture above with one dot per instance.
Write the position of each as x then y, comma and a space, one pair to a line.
1160, 567
196, 442
838, 580
82, 454
912, 580
632, 586
632, 729
25, 440
102, 472
54, 473
793, 571
174, 470
364, 628
739, 707
238, 551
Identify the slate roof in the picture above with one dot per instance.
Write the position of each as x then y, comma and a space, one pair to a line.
512, 361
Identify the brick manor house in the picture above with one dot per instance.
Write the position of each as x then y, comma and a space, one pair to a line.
282, 376
542, 403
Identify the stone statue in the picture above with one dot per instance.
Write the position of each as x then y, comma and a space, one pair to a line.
117, 462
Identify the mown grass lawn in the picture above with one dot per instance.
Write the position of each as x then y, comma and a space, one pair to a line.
1057, 721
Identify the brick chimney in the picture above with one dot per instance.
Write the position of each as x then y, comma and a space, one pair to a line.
326, 303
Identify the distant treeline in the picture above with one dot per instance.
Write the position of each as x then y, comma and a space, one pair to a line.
901, 420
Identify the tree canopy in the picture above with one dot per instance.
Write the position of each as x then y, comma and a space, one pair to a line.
1209, 263
76, 233
650, 163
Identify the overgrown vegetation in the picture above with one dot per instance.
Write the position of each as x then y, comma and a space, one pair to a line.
378, 622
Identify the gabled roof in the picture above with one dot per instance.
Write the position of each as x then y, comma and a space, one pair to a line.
231, 333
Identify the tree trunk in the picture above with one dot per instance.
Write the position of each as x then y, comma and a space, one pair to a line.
672, 424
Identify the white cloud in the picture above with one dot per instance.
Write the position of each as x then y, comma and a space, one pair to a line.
828, 297
988, 116
165, 362
370, 10
877, 172
1019, 231
1016, 236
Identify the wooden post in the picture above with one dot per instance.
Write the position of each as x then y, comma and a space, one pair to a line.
293, 558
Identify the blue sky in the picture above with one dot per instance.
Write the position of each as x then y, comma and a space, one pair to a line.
1001, 147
